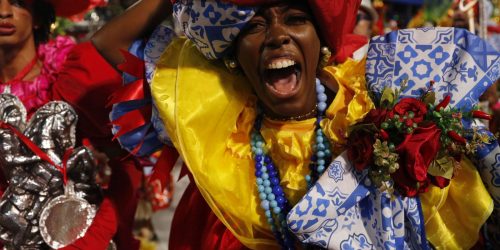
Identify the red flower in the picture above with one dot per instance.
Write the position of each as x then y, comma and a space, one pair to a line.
416, 153
405, 105
360, 149
375, 116
407, 186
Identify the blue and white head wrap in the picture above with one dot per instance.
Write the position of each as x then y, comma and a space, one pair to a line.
212, 25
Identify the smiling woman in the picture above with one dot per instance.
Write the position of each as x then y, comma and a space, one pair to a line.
277, 47
258, 98
279, 52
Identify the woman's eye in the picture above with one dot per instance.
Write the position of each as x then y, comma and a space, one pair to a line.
19, 3
253, 27
296, 19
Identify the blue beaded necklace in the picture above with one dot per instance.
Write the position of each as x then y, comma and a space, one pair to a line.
271, 194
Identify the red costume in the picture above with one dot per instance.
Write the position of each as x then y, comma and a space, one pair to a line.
81, 77
86, 81
78, 75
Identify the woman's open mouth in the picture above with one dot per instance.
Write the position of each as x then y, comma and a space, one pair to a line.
282, 77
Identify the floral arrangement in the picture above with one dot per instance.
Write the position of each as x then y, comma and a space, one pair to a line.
408, 143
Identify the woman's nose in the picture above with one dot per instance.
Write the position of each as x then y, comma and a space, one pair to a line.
5, 9
277, 35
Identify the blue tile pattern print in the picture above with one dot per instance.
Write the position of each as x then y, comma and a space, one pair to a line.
351, 214
211, 25
464, 66
336, 172
355, 242
489, 169
359, 216
461, 64
154, 48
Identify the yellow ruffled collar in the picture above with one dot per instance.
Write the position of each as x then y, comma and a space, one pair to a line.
289, 142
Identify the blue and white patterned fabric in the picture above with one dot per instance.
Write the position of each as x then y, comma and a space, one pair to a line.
155, 46
489, 167
343, 211
159, 40
461, 64
212, 25
488, 158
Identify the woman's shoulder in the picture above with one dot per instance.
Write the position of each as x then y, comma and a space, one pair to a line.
54, 53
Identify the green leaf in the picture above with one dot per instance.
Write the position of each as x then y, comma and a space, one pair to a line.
429, 98
387, 98
442, 167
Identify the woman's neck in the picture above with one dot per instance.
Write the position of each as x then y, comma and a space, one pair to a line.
14, 58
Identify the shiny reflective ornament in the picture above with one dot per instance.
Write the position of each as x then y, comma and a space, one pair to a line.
231, 64
326, 51
65, 218
326, 55
33, 181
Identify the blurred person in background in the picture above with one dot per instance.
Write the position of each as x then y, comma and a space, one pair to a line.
366, 18
38, 71
490, 101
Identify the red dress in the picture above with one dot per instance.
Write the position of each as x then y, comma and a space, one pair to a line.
209, 232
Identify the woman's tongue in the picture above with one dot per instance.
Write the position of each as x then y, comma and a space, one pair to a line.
283, 81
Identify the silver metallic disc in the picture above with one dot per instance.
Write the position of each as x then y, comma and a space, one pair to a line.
65, 219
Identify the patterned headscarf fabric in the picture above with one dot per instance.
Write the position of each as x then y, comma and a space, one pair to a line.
213, 25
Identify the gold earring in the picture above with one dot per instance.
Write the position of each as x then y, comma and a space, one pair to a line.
325, 50
231, 64
325, 58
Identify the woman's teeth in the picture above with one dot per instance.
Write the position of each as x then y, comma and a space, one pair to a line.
279, 64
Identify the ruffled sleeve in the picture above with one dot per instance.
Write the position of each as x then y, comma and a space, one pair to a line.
53, 54
351, 103
86, 81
